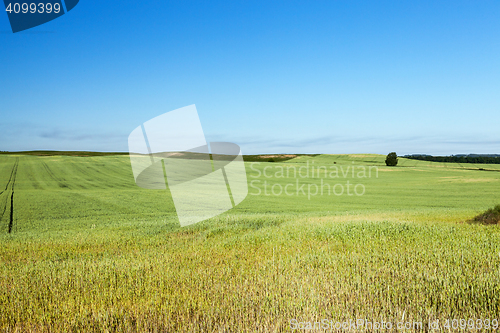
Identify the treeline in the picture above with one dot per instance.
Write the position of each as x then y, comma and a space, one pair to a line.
478, 159
61, 153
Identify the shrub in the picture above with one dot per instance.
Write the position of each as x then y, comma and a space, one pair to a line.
391, 159
491, 216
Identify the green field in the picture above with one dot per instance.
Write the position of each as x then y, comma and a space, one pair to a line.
83, 249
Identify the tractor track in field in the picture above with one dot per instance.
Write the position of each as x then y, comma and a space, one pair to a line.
10, 184
60, 182
11, 222
14, 169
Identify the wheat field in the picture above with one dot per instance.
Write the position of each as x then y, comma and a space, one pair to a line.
83, 249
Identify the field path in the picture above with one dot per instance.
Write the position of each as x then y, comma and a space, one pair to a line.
9, 188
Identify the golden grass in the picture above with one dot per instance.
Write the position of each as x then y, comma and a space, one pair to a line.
226, 275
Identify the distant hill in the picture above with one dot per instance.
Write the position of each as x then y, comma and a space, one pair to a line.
246, 158
62, 153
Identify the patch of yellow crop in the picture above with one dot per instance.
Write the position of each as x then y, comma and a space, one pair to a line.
468, 180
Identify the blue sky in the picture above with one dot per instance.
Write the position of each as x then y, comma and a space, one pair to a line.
271, 76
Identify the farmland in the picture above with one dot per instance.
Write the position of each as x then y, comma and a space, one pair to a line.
84, 249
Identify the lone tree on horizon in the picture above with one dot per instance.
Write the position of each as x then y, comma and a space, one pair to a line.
391, 159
